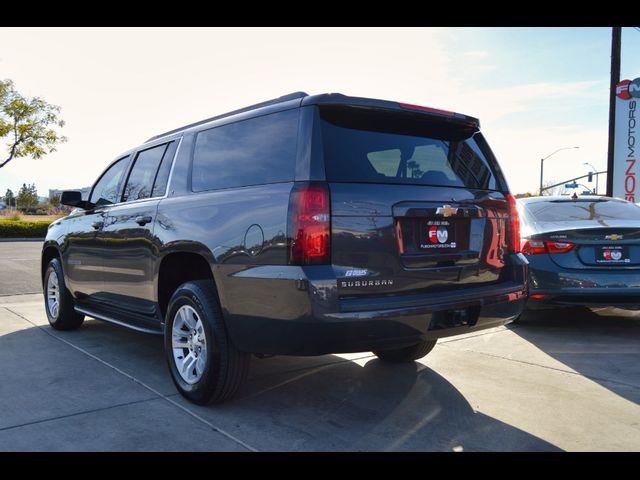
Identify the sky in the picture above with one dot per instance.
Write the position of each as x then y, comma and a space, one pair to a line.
535, 90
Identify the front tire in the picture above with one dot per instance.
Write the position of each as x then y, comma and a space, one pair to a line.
205, 366
406, 354
58, 302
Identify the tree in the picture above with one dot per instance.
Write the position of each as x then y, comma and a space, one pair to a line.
557, 190
10, 198
54, 200
27, 125
27, 197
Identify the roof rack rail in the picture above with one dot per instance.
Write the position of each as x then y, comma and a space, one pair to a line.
284, 98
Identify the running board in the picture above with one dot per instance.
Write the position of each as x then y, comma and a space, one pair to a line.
106, 318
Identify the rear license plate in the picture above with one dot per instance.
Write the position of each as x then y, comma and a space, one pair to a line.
438, 235
613, 254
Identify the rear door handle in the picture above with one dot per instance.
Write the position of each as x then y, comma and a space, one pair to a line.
97, 225
142, 221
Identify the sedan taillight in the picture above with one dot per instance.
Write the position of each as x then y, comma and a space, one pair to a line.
536, 247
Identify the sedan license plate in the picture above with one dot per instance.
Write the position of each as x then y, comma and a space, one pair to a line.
612, 255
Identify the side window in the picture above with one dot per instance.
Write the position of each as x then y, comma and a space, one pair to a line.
160, 185
106, 188
143, 173
250, 152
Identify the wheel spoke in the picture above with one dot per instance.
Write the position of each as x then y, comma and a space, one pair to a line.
201, 363
179, 342
183, 322
190, 318
187, 365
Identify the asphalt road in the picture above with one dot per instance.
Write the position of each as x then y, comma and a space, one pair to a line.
566, 380
20, 267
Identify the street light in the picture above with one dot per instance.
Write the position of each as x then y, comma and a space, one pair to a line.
542, 163
594, 171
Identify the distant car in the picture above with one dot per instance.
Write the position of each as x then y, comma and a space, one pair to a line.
581, 251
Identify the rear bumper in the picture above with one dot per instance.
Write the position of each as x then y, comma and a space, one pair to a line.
592, 297
584, 287
304, 316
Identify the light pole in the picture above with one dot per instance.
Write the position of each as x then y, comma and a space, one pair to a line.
595, 172
542, 164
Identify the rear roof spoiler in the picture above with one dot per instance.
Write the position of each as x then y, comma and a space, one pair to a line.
340, 99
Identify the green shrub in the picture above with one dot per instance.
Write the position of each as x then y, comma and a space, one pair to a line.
25, 229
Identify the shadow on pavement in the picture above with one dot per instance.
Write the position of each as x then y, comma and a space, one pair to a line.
602, 344
288, 403
378, 406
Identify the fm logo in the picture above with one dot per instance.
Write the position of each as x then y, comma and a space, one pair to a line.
438, 234
626, 89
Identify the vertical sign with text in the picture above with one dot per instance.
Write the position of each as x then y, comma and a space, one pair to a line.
626, 183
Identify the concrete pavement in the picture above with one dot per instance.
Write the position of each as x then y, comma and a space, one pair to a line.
553, 384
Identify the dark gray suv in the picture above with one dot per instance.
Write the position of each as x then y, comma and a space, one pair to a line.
305, 225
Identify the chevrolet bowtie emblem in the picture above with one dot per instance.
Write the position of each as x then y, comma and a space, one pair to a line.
447, 211
613, 236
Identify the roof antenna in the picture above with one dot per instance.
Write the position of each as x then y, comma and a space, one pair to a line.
574, 196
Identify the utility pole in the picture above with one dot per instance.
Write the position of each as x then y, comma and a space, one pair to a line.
616, 34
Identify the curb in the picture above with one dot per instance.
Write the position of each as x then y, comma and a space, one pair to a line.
22, 239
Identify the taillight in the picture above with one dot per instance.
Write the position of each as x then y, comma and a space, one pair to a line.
513, 236
309, 224
535, 247
559, 247
410, 106
532, 247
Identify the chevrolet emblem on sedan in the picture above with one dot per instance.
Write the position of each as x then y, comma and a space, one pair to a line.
613, 236
447, 211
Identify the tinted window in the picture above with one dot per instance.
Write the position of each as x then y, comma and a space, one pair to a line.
252, 152
140, 182
162, 177
568, 211
397, 148
106, 189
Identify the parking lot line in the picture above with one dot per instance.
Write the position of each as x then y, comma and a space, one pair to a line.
139, 382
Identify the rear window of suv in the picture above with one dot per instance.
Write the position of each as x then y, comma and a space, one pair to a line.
387, 147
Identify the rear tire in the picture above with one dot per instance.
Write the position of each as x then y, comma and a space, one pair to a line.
406, 354
205, 365
58, 302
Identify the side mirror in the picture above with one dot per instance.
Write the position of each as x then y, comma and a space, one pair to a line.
73, 198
